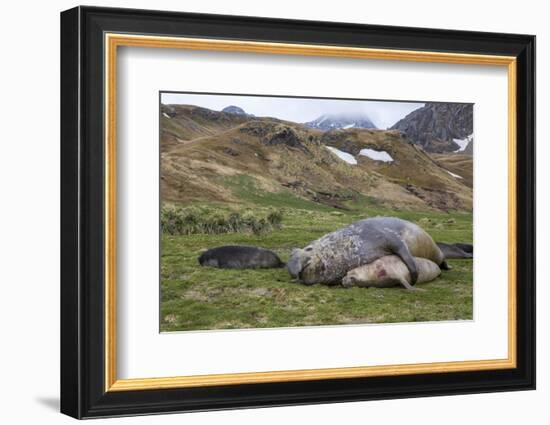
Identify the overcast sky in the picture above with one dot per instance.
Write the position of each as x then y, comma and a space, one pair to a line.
383, 114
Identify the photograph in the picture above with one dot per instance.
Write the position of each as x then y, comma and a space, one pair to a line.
284, 211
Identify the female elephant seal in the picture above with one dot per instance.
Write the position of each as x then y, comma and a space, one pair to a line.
390, 271
328, 259
240, 257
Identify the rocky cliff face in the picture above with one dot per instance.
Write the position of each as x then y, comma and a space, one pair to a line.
436, 125
469, 149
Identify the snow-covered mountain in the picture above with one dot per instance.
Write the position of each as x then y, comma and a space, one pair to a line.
341, 121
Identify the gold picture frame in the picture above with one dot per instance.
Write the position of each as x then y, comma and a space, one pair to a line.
114, 41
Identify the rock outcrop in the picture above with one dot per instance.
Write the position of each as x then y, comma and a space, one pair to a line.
435, 125
232, 109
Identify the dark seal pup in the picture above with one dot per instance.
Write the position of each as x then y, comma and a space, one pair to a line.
466, 247
328, 259
456, 250
240, 257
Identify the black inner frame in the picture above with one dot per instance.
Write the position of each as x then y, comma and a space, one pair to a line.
82, 212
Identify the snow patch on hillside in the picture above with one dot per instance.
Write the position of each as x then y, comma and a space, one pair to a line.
463, 143
344, 156
456, 176
376, 155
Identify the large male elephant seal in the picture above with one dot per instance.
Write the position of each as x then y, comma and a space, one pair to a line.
456, 250
328, 259
390, 271
240, 257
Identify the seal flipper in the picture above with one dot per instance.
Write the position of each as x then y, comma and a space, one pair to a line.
445, 266
408, 286
403, 252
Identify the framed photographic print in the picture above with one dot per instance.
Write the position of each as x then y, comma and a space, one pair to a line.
261, 212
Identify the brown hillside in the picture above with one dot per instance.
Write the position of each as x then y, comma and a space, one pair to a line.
462, 165
204, 152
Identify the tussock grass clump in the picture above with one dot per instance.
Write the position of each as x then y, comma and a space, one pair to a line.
193, 220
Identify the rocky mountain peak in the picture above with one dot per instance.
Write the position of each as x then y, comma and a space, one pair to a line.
232, 109
341, 121
435, 126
